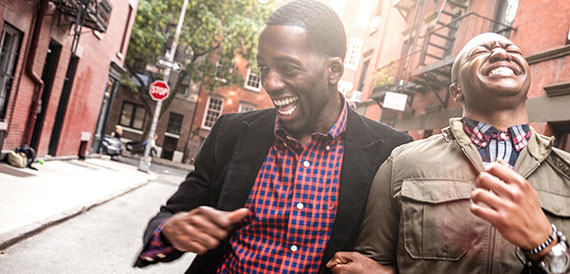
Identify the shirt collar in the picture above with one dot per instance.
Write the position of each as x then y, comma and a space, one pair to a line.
336, 131
481, 133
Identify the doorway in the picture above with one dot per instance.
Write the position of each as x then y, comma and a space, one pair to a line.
62, 105
48, 74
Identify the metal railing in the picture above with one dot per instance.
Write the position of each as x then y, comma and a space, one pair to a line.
465, 28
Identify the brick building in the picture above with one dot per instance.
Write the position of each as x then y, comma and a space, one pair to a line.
419, 39
55, 86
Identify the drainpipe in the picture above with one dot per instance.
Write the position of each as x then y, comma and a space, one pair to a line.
36, 78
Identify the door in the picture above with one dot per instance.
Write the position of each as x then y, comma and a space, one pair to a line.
110, 91
62, 105
48, 74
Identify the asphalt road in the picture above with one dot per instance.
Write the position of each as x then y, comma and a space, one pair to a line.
105, 239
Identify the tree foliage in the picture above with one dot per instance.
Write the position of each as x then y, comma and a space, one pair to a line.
213, 33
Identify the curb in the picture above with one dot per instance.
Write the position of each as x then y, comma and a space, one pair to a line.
10, 238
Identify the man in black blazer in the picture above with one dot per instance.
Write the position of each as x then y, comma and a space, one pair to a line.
282, 189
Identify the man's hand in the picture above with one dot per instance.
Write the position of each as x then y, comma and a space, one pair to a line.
354, 263
201, 229
511, 205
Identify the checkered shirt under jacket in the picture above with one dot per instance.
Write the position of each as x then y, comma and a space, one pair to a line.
292, 205
494, 144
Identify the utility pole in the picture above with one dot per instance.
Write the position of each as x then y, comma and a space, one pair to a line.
144, 163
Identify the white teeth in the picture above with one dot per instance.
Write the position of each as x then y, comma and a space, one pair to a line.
288, 112
286, 101
501, 71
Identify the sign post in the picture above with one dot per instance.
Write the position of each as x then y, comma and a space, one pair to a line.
159, 90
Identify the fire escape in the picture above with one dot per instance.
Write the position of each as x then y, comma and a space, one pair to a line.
92, 14
427, 56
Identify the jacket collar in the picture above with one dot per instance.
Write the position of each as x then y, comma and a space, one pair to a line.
537, 150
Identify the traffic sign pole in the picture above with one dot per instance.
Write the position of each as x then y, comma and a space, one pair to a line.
144, 164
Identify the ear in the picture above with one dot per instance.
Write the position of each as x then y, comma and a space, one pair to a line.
456, 93
335, 69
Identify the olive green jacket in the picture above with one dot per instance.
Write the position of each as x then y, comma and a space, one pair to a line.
418, 217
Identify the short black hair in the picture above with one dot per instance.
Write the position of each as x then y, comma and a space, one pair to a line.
325, 32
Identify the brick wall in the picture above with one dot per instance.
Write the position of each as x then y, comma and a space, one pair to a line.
96, 54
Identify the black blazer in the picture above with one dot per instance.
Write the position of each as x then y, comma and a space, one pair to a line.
233, 152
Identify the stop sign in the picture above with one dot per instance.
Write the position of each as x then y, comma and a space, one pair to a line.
159, 90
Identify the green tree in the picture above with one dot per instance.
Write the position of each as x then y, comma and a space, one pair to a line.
213, 33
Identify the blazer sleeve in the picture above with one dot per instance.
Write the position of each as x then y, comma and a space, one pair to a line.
378, 238
195, 191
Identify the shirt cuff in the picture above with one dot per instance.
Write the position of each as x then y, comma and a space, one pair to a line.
158, 248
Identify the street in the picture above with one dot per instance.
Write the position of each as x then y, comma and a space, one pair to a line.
105, 239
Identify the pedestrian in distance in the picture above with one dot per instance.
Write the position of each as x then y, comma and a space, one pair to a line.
281, 189
488, 195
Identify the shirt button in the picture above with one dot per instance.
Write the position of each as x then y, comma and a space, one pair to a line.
328, 148
503, 135
483, 144
293, 248
300, 205
306, 164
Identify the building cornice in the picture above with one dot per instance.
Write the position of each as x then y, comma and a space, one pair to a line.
557, 89
548, 55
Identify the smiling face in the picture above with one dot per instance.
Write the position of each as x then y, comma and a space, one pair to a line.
300, 82
491, 74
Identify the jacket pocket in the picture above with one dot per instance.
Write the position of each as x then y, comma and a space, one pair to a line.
555, 204
436, 218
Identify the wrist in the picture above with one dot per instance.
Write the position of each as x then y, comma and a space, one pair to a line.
542, 249
555, 260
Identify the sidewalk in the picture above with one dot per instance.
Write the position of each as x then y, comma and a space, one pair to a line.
33, 200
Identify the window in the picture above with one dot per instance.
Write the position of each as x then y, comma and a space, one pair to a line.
184, 87
174, 123
345, 87
252, 81
213, 111
363, 75
245, 107
10, 46
353, 57
122, 49
132, 116
506, 12
220, 67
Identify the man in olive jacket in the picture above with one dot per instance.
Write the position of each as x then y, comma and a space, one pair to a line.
483, 196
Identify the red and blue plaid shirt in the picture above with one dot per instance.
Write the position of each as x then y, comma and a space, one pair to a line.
292, 203
494, 144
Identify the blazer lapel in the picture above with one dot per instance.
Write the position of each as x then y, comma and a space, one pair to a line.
252, 145
362, 155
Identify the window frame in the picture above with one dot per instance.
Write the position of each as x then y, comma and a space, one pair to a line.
171, 120
245, 107
132, 115
248, 77
353, 54
207, 109
11, 63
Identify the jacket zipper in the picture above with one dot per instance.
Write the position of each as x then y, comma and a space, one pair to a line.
492, 249
492, 228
